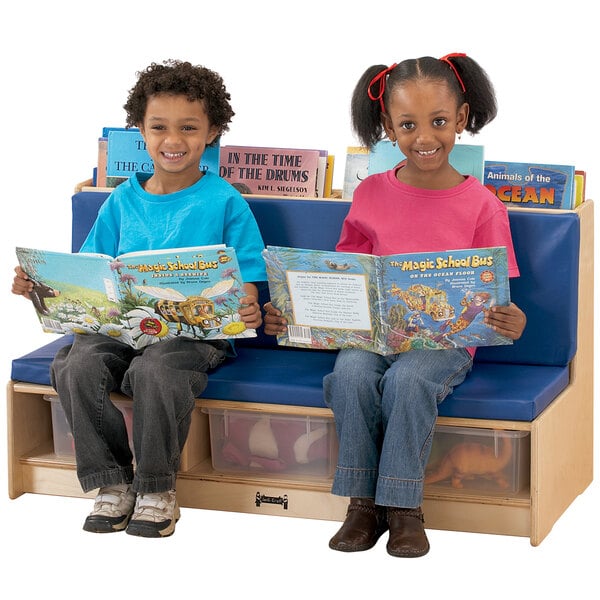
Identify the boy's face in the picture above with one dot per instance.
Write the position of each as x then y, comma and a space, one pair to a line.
176, 132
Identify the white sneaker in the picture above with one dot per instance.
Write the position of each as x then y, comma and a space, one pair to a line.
113, 507
154, 515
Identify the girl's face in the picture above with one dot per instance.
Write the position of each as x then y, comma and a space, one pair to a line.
176, 132
423, 117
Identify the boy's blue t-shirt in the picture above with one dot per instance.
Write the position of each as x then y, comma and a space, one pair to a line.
209, 212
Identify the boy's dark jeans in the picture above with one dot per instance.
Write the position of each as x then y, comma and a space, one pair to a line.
163, 379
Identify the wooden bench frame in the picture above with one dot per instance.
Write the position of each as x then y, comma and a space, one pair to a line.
561, 451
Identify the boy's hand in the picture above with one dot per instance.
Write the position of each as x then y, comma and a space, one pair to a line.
508, 320
274, 322
22, 285
250, 312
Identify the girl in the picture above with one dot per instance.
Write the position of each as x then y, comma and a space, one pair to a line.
385, 407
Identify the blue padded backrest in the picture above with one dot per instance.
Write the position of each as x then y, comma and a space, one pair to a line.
546, 244
84, 208
315, 224
547, 249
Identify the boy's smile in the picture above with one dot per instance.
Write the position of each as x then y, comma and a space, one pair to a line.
176, 132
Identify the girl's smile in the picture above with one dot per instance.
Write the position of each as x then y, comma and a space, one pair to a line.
424, 119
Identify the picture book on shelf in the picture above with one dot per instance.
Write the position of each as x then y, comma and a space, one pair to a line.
138, 297
467, 159
387, 304
273, 171
531, 185
356, 169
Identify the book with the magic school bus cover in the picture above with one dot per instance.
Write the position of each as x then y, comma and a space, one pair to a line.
387, 304
139, 298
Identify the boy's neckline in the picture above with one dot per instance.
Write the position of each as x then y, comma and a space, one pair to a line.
153, 186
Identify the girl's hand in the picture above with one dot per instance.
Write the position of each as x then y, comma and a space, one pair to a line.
274, 322
22, 285
508, 320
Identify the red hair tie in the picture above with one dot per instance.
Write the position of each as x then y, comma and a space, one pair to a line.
381, 79
446, 59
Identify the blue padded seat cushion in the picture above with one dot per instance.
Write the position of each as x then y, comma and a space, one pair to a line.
294, 377
34, 367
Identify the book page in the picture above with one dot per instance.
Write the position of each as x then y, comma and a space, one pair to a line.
333, 300
326, 297
72, 292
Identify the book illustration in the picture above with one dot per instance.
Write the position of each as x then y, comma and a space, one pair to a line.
139, 298
531, 185
467, 159
387, 304
127, 155
273, 171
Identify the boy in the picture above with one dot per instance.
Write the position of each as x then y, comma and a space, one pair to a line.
180, 109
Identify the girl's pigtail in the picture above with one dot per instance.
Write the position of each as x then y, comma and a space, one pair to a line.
478, 91
368, 103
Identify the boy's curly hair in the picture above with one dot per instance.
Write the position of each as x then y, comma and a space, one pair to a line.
177, 77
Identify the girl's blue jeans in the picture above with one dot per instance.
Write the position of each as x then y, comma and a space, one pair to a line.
385, 408
162, 379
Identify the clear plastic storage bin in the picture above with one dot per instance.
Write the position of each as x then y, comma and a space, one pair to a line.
272, 444
61, 432
479, 460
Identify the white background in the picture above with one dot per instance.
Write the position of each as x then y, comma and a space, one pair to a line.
290, 68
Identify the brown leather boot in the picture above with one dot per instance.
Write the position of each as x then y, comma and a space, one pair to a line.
407, 532
365, 523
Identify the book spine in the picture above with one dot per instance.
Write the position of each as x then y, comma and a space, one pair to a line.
379, 308
328, 189
102, 158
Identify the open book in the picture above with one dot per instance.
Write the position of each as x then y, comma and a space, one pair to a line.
139, 297
387, 304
